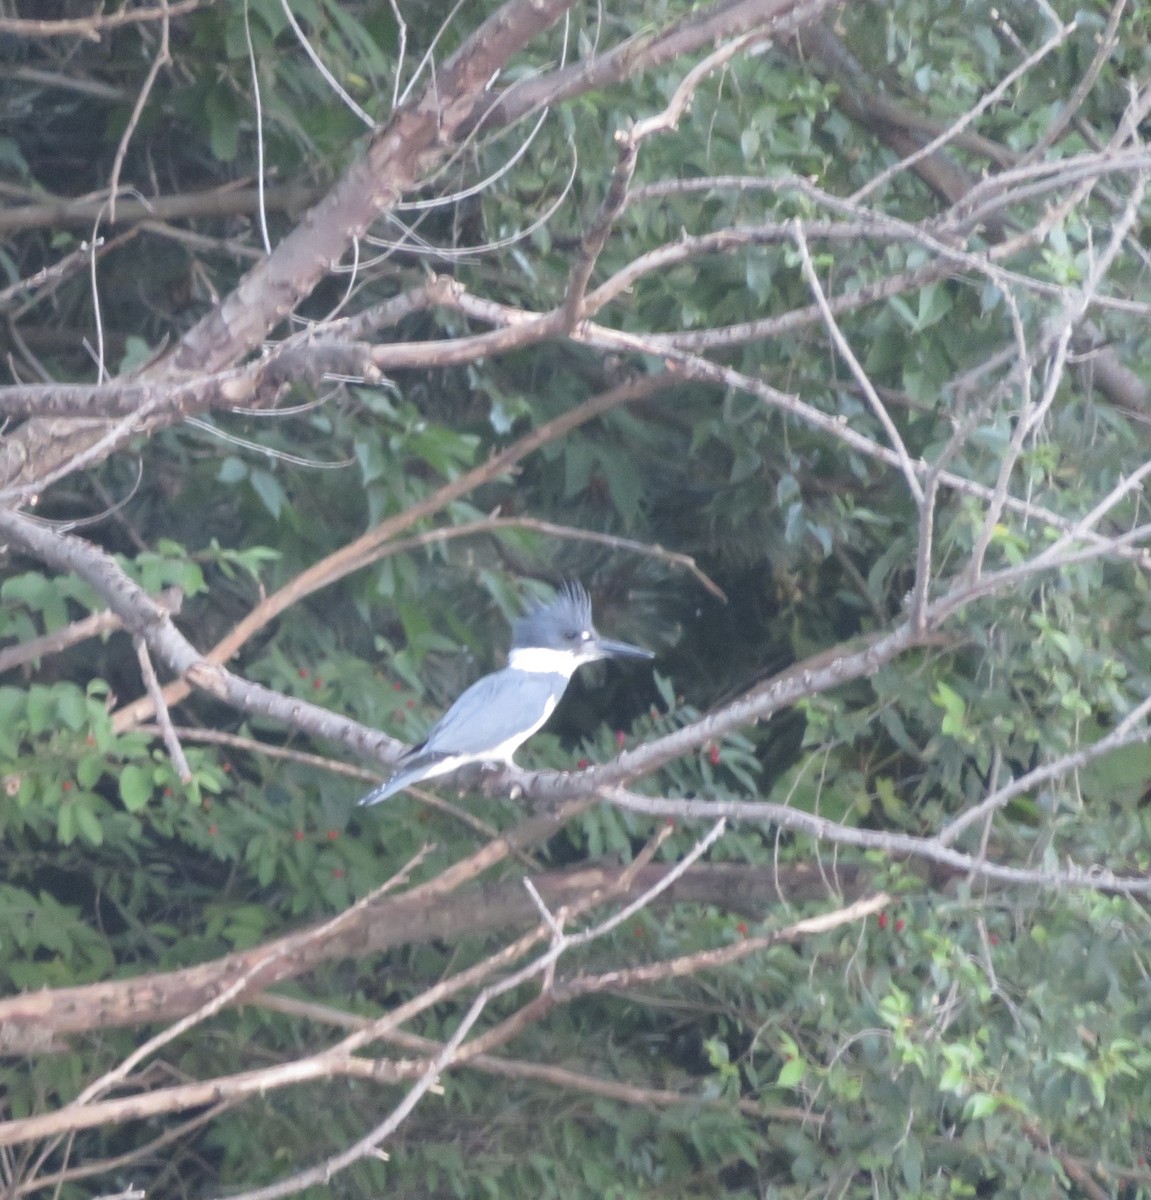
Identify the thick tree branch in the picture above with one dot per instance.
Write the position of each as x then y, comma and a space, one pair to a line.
31, 1022
166, 401
417, 138
91, 27
337, 1061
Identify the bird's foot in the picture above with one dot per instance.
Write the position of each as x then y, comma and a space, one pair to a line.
492, 781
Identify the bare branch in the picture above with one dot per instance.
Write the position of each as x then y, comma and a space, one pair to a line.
1058, 339
79, 631
1092, 878
163, 717
450, 1052
163, 58
991, 98
842, 345
229, 201
523, 1069
91, 27
142, 615
721, 20
1107, 42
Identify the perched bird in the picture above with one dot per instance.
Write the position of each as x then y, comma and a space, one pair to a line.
496, 714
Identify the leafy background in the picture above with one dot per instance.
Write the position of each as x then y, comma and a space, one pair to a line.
975, 1039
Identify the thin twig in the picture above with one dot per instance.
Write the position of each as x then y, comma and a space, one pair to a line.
320, 66
256, 98
844, 348
163, 57
1107, 42
322, 1172
535, 1072
320, 932
992, 97
34, 1181
79, 631
1058, 338
163, 717
335, 766
931, 849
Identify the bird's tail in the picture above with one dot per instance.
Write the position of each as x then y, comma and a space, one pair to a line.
397, 783
416, 768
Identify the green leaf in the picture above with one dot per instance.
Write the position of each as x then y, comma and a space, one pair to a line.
88, 825
268, 488
135, 787
980, 1105
66, 824
792, 1073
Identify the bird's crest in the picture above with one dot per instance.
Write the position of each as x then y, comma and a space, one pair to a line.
570, 609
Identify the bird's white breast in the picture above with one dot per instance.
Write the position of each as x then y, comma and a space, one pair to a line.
541, 661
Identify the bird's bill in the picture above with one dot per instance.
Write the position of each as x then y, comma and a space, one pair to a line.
610, 649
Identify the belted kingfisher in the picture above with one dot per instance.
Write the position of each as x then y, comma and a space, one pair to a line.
496, 714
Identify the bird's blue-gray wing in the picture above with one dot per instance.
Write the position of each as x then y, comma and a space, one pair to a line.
494, 710
487, 722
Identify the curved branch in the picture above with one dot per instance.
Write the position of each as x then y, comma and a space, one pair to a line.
144, 616
1097, 879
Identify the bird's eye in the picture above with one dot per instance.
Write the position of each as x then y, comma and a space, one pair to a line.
570, 635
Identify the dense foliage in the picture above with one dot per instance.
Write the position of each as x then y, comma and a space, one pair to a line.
979, 1030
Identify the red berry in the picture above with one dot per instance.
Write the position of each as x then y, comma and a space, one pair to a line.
620, 738
303, 672
213, 830
994, 939
337, 872
317, 682
713, 756
167, 791
883, 920
397, 687
227, 768
299, 835
333, 835
638, 931
670, 822
900, 925
409, 704
582, 765
741, 929
66, 785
